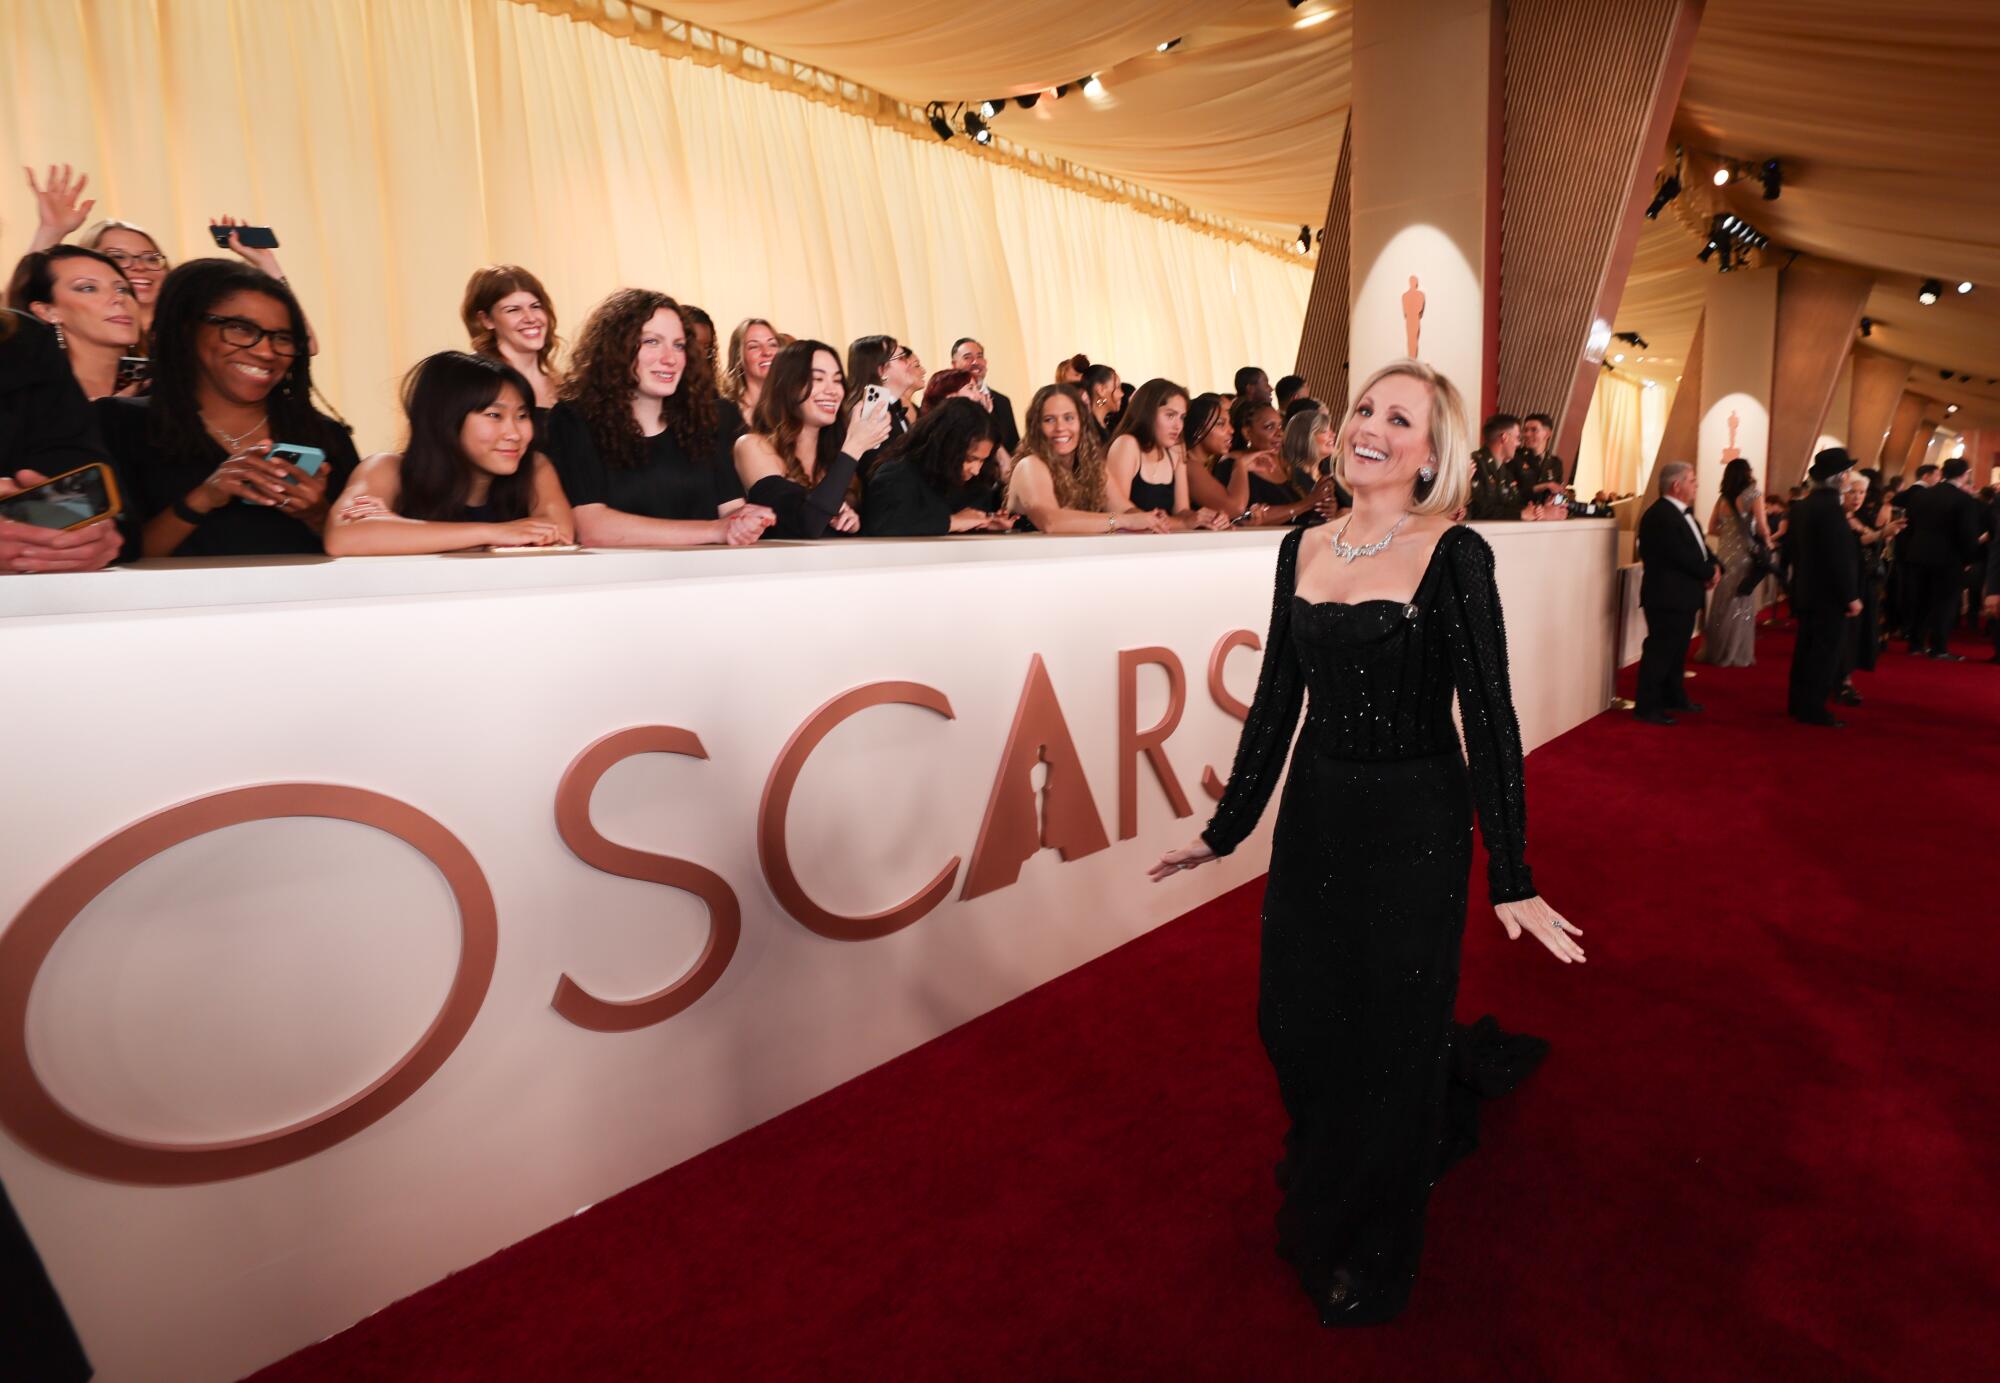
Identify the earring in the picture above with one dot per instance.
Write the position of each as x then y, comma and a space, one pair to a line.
1426, 474
62, 342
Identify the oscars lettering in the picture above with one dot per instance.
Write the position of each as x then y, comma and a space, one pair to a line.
1021, 820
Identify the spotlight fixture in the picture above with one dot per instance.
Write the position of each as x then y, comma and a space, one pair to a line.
1632, 338
1950, 409
1733, 238
1965, 285
1669, 189
1028, 102
1294, 4
1944, 374
1774, 179
1168, 46
989, 109
1930, 292
1723, 175
1707, 251
1062, 89
934, 112
1305, 240
981, 132
1092, 87
1867, 326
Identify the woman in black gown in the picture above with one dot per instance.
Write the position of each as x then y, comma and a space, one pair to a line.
1383, 618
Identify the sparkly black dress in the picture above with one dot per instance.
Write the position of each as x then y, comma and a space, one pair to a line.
1365, 906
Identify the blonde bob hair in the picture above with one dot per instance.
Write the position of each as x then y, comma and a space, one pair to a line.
1451, 440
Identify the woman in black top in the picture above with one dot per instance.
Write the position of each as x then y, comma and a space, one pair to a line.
508, 317
637, 439
1213, 481
798, 459
89, 302
925, 484
469, 476
232, 377
44, 431
1149, 435
889, 365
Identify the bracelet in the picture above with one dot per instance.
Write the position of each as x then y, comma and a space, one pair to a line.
191, 517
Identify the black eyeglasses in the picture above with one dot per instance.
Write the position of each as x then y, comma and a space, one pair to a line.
902, 353
155, 260
238, 331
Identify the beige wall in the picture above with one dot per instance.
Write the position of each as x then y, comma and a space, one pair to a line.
1422, 83
1739, 322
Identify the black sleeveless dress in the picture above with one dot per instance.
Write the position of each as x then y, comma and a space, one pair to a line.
1365, 907
1149, 494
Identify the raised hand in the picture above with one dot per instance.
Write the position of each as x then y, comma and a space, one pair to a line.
1545, 924
56, 204
264, 261
867, 428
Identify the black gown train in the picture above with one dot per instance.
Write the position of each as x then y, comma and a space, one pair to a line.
1365, 906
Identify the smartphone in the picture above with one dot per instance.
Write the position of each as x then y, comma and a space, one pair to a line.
132, 369
874, 393
253, 237
1243, 517
74, 499
307, 459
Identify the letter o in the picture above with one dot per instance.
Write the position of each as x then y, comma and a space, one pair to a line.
34, 1117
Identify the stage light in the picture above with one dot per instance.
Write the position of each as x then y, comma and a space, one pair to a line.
934, 112
976, 126
1062, 89
1930, 292
1319, 17
989, 109
1965, 286
1632, 338
1028, 102
1867, 326
1092, 87
1722, 176
1944, 374
1305, 240
1168, 46
1618, 359
1669, 190
1707, 252
1774, 179
1950, 409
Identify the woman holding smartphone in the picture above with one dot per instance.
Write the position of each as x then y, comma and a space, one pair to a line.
468, 477
509, 317
798, 459
886, 363
232, 378
88, 300
752, 347
636, 439
1144, 468
1057, 483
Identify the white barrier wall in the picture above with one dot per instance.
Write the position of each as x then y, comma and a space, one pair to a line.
212, 999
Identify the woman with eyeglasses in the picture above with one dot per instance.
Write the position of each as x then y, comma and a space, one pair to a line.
89, 302
886, 363
232, 378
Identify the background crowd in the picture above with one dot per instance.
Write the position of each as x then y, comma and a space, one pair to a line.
193, 382
1859, 560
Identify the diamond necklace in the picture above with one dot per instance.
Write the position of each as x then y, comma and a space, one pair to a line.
1348, 554
232, 443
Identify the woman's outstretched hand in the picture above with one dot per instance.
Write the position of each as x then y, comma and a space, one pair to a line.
1545, 924
1189, 856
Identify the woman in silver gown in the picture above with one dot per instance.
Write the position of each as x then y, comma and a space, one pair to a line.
1730, 638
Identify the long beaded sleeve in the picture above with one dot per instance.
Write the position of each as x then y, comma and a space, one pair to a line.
1273, 719
1477, 637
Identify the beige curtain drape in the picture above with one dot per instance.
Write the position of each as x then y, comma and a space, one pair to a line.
1621, 435
397, 144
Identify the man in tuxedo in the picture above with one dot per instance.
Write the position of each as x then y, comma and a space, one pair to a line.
1907, 500
967, 354
1826, 588
1943, 537
1679, 572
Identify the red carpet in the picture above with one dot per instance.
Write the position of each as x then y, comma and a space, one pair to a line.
1762, 1147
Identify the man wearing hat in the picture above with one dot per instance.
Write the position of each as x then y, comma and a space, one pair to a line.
1944, 537
1826, 587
